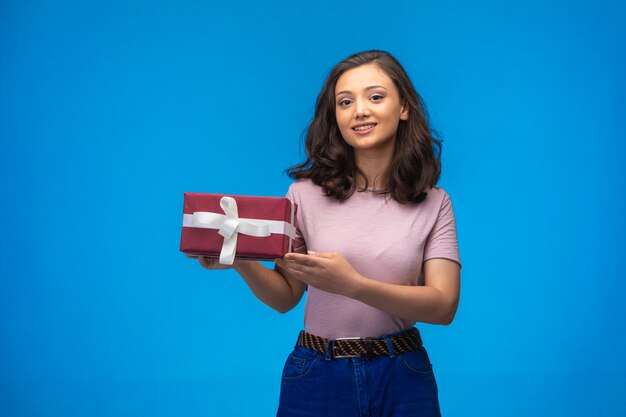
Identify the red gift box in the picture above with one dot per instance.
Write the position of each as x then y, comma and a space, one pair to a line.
236, 226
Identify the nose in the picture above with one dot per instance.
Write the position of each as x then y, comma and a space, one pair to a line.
361, 109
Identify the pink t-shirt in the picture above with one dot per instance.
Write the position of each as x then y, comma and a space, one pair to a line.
382, 239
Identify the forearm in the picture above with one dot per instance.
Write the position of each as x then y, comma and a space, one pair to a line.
269, 286
416, 303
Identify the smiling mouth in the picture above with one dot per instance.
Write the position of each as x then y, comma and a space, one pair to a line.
363, 127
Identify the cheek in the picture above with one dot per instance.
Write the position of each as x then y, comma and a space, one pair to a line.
343, 123
345, 134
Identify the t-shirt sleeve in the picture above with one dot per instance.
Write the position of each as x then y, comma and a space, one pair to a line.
299, 245
442, 240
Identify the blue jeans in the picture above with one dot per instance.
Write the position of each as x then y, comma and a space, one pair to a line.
315, 385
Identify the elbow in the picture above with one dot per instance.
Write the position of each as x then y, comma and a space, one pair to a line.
447, 320
283, 309
443, 320
286, 307
447, 317
449, 312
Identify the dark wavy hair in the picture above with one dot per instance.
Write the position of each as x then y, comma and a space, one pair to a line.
330, 164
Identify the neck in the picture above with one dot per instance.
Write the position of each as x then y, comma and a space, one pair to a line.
373, 166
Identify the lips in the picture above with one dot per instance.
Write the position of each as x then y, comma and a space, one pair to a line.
363, 127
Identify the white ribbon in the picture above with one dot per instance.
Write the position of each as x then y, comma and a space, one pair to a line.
230, 225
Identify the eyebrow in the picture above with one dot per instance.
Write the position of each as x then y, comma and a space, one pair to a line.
371, 87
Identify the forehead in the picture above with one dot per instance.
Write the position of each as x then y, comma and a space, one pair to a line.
361, 77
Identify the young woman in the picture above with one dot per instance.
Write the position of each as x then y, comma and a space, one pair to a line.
376, 248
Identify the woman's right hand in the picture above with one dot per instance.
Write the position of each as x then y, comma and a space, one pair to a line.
210, 263
280, 292
213, 264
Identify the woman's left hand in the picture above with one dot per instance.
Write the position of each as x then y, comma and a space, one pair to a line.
326, 271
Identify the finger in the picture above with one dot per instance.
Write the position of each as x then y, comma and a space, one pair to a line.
287, 264
205, 262
301, 258
284, 269
191, 256
283, 263
297, 267
300, 262
327, 255
317, 260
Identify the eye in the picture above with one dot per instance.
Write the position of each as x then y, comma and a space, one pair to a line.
344, 102
377, 97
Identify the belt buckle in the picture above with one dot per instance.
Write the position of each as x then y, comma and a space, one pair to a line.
332, 347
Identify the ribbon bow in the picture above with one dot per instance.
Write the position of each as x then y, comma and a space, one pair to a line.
229, 225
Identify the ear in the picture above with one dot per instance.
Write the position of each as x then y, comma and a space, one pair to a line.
404, 111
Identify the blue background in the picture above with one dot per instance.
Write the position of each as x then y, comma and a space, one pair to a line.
110, 111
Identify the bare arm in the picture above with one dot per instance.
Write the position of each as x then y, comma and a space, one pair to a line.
435, 302
273, 287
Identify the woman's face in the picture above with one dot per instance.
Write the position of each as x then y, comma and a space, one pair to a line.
368, 108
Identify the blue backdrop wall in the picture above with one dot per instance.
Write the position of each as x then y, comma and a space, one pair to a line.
109, 111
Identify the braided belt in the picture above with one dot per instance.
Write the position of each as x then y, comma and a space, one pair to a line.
407, 341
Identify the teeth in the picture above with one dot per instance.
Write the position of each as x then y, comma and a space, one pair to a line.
364, 127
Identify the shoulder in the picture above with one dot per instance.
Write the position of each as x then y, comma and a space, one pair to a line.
437, 195
303, 188
437, 201
309, 197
